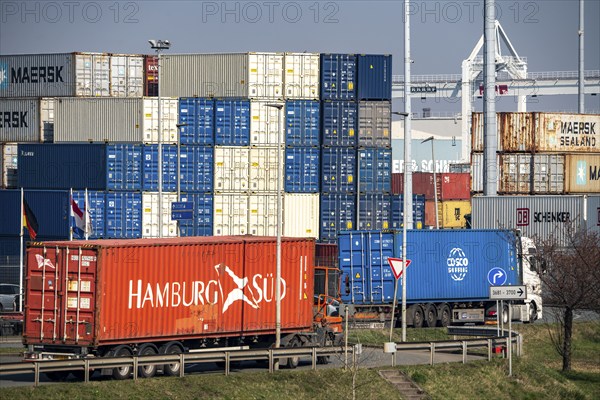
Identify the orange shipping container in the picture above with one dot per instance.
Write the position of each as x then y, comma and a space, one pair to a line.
130, 291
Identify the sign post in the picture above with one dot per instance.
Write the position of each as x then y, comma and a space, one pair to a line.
397, 266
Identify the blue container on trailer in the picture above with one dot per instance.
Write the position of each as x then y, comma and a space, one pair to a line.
96, 202
338, 77
398, 211
202, 223
51, 209
123, 215
446, 265
339, 123
302, 169
375, 170
124, 167
232, 122
337, 214
374, 211
338, 170
197, 163
169, 168
374, 77
198, 116
302, 123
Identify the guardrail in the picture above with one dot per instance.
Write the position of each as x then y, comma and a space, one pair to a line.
226, 357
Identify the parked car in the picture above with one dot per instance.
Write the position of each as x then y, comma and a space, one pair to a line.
9, 294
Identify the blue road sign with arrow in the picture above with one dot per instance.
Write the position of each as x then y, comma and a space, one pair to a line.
497, 276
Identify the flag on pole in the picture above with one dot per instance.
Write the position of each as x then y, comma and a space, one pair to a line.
82, 219
29, 220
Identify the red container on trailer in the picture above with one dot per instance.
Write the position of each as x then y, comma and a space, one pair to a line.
102, 292
150, 76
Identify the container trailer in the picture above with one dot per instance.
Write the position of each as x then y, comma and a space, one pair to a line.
106, 298
448, 280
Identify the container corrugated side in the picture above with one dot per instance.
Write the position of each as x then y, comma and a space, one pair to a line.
338, 77
374, 124
150, 168
302, 123
567, 132
374, 211
542, 217
264, 169
262, 214
397, 182
374, 170
338, 213
339, 123
267, 124
9, 165
196, 115
38, 75
418, 209
96, 205
374, 77
582, 173
593, 214
181, 265
302, 169
301, 215
232, 122
151, 215
230, 215
50, 207
338, 170
196, 168
231, 169
20, 120
202, 223
301, 76
123, 215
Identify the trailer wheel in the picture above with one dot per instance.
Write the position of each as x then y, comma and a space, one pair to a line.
445, 316
431, 316
505, 314
417, 316
57, 376
292, 362
121, 373
532, 313
171, 348
147, 371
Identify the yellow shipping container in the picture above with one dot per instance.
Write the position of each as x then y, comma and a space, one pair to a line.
451, 213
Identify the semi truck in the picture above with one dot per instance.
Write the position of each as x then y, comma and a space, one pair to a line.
110, 298
448, 279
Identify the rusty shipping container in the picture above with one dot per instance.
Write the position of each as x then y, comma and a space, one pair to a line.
531, 173
582, 173
132, 291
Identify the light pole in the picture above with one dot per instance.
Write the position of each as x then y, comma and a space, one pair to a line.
179, 126
278, 268
437, 217
159, 45
408, 211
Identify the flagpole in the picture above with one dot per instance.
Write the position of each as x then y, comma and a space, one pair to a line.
21, 257
86, 221
71, 200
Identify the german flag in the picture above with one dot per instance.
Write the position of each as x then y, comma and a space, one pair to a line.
29, 220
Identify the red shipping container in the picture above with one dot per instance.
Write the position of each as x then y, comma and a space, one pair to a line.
102, 292
326, 255
450, 186
151, 76
398, 183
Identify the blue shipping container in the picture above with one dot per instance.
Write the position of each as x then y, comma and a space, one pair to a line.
302, 123
374, 211
375, 170
337, 214
123, 215
197, 163
398, 211
202, 224
446, 265
169, 168
232, 122
96, 202
197, 116
374, 77
338, 76
51, 209
339, 123
10, 247
124, 165
302, 169
338, 171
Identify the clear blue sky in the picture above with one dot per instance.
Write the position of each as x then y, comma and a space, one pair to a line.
443, 32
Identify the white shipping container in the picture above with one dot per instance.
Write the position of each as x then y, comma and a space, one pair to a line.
241, 75
477, 172
169, 117
230, 214
151, 215
301, 215
9, 165
264, 169
231, 169
262, 214
47, 118
301, 77
126, 75
265, 123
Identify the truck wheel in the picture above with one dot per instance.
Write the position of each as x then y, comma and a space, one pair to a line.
417, 316
171, 348
147, 371
292, 362
57, 376
532, 313
445, 316
121, 373
505, 315
431, 316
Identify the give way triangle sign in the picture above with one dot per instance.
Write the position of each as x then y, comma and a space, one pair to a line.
396, 264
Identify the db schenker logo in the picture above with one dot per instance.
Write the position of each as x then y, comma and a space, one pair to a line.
458, 264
